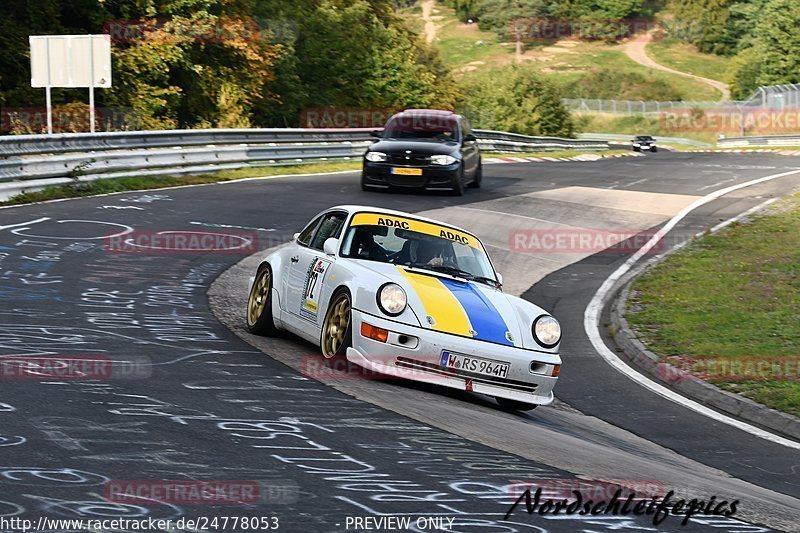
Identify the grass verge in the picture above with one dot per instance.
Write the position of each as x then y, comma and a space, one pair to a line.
637, 125
686, 58
137, 183
726, 308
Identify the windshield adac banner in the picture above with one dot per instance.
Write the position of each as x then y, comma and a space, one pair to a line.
420, 226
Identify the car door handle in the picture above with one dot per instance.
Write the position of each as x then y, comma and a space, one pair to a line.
295, 259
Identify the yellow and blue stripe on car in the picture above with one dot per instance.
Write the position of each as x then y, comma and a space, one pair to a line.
458, 308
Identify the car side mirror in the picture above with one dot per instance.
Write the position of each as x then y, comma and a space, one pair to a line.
296, 236
499, 278
331, 246
470, 138
375, 134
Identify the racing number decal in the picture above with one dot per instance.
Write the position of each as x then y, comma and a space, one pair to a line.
315, 275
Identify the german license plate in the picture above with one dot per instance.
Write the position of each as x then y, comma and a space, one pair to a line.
486, 367
400, 171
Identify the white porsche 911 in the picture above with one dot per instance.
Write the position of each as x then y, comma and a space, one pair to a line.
407, 296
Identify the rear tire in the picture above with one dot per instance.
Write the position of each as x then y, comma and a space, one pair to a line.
514, 405
259, 304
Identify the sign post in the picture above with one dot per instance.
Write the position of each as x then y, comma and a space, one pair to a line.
70, 61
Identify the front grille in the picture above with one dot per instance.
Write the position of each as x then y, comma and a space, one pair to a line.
408, 159
415, 364
406, 181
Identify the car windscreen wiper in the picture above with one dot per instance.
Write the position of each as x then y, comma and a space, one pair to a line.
453, 271
488, 281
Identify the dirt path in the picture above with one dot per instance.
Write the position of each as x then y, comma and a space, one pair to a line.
636, 49
430, 26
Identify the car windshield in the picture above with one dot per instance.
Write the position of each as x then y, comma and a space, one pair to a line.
417, 244
431, 127
644, 138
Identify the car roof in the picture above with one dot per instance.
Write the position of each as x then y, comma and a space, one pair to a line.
428, 111
383, 211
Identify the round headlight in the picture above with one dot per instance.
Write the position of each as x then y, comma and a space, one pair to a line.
392, 299
443, 159
546, 331
375, 157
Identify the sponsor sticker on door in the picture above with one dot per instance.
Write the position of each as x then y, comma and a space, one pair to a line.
313, 288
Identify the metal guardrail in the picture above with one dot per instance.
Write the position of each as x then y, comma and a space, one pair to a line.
764, 140
32, 162
626, 139
11, 145
513, 142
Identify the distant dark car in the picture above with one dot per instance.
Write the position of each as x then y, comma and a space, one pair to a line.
425, 149
644, 142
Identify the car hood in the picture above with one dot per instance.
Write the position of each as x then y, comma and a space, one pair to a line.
464, 308
416, 147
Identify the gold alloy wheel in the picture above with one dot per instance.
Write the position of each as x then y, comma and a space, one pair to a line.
334, 329
259, 295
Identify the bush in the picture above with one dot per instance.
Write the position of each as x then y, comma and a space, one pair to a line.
516, 100
611, 84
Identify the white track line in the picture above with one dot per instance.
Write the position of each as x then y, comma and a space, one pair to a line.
514, 215
239, 180
591, 322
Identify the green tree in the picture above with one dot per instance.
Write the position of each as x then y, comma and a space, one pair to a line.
517, 100
774, 55
192, 63
778, 42
701, 22
352, 54
743, 74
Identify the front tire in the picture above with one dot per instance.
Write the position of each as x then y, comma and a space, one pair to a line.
514, 405
458, 184
259, 304
337, 334
476, 181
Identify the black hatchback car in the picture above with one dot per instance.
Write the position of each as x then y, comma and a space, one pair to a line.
423, 148
644, 142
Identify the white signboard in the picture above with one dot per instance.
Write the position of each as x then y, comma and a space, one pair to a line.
70, 60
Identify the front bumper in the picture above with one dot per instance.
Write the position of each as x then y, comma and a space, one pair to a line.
419, 360
379, 175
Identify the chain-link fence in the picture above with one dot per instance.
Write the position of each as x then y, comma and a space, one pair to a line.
768, 97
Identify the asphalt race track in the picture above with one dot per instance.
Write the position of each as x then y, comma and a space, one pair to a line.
202, 401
